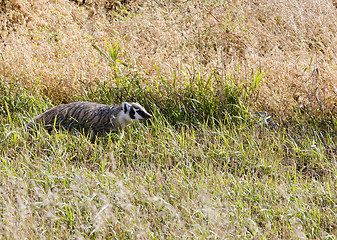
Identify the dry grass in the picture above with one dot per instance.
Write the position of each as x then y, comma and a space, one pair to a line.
51, 44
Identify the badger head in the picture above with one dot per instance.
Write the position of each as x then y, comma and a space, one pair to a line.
132, 112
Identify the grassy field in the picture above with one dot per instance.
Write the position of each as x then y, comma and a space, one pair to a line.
205, 166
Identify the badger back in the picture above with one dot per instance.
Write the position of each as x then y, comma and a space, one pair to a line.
98, 117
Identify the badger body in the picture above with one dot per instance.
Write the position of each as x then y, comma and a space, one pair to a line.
91, 117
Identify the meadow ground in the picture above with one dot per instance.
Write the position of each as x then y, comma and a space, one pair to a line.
205, 166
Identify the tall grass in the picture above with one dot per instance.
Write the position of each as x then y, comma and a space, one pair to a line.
202, 98
196, 174
205, 166
52, 44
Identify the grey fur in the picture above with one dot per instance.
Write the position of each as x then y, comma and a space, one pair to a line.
91, 117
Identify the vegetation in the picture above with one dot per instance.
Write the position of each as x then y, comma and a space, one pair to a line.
205, 166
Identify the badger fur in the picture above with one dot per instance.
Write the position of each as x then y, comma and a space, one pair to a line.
91, 117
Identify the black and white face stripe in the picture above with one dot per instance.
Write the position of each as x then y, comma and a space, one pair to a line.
143, 114
135, 111
126, 107
132, 113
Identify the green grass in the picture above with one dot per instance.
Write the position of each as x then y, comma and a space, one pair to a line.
203, 167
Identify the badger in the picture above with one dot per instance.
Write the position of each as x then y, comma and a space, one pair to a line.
91, 117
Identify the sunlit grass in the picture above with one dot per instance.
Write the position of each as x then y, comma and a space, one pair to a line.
205, 166
230, 179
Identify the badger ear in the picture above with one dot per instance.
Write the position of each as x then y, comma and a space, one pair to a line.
126, 107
